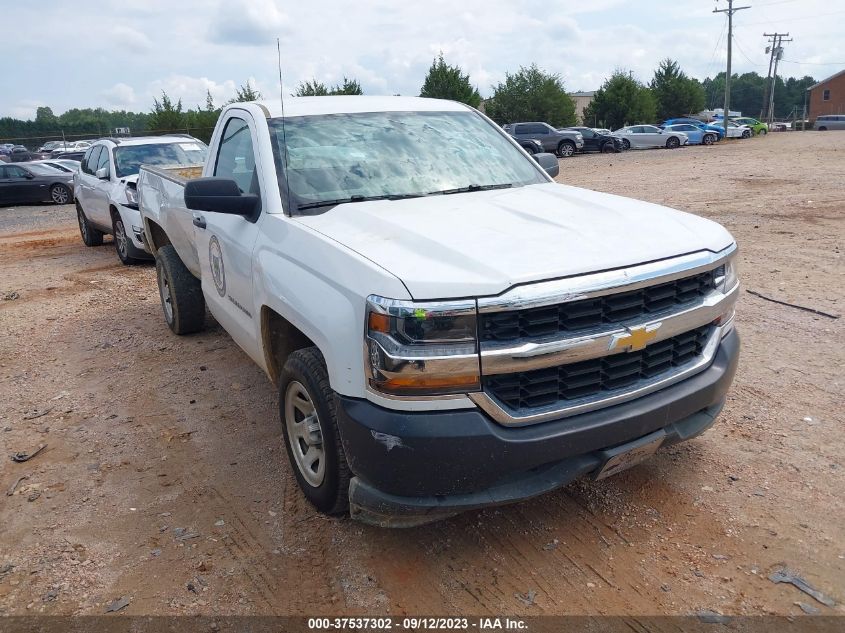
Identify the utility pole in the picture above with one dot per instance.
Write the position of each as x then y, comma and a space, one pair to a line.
730, 11
764, 112
777, 54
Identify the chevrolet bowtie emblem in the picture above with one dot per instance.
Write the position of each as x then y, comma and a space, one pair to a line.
635, 338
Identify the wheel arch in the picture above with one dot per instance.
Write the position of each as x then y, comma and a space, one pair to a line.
280, 338
154, 235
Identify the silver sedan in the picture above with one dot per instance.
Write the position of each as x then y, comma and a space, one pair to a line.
642, 136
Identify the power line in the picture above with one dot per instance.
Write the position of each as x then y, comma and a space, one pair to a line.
792, 61
748, 59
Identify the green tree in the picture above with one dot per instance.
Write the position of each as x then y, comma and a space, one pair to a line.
201, 122
314, 88
167, 116
348, 87
621, 100
675, 94
311, 88
448, 82
246, 93
531, 95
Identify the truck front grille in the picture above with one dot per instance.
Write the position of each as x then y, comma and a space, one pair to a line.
591, 313
598, 376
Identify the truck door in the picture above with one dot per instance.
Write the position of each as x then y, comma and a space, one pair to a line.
225, 242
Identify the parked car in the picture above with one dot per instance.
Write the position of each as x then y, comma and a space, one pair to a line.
73, 156
757, 127
696, 135
830, 122
447, 327
49, 146
6, 149
562, 142
20, 154
75, 146
530, 145
643, 136
736, 130
106, 195
709, 127
596, 142
29, 183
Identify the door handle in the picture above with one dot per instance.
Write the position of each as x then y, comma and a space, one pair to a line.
199, 221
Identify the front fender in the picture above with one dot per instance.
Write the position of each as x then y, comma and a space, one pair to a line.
320, 287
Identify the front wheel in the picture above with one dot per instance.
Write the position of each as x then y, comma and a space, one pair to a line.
763, 131
708, 139
746, 134
566, 149
180, 293
309, 426
626, 144
122, 243
607, 148
90, 235
673, 142
59, 194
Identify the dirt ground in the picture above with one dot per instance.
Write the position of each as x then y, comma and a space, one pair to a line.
164, 480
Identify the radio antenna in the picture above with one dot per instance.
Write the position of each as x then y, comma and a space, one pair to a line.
284, 135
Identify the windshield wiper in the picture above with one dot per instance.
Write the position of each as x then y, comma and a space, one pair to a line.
446, 192
331, 203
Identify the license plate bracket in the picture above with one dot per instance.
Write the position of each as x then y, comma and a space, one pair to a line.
628, 455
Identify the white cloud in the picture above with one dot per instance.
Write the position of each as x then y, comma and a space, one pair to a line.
121, 96
248, 22
127, 38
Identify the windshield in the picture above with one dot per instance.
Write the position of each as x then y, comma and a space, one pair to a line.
129, 158
352, 157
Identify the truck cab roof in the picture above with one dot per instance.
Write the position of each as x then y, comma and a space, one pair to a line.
353, 104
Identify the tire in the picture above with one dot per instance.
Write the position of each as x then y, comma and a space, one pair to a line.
673, 142
90, 235
763, 131
530, 149
822, 129
708, 139
180, 293
566, 149
746, 134
122, 242
608, 148
305, 393
626, 144
60, 194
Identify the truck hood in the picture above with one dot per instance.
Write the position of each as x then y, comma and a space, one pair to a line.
482, 243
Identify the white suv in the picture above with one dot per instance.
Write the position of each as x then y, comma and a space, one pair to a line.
105, 187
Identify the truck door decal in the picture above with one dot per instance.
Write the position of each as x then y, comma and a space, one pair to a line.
215, 261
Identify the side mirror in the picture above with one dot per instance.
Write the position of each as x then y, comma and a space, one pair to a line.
221, 195
548, 162
103, 173
29, 176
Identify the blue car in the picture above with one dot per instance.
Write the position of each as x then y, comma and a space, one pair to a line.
699, 124
696, 135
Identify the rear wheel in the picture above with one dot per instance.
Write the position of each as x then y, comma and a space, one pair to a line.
673, 142
90, 235
180, 293
60, 194
566, 149
309, 425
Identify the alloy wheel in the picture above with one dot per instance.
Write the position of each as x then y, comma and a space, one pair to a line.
120, 239
59, 195
164, 292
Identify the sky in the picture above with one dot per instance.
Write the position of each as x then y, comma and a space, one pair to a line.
120, 55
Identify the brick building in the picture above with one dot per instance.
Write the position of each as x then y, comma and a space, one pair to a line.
827, 96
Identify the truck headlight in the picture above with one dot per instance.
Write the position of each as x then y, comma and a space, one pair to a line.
727, 275
418, 349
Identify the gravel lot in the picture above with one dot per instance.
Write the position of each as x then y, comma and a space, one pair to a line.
164, 480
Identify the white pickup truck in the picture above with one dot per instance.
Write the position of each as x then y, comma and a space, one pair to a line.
448, 327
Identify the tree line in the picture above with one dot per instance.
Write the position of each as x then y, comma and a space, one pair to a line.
529, 94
